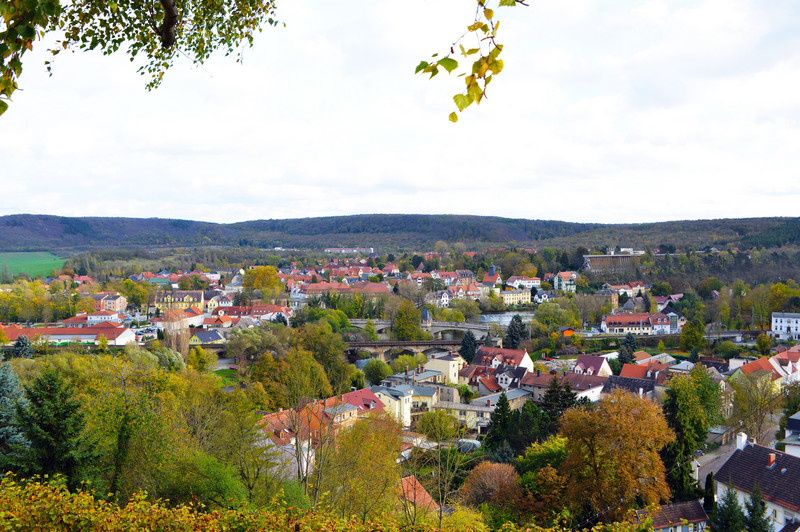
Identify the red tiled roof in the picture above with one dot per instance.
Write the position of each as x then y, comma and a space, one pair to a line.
412, 491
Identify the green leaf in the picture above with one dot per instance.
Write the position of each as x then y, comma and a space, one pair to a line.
462, 101
420, 67
508, 3
4, 107
448, 64
453, 116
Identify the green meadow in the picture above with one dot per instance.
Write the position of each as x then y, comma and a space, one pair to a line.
33, 263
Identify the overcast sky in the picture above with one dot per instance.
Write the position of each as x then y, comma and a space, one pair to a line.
607, 111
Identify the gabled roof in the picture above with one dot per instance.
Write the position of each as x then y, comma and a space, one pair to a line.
760, 364
505, 356
365, 400
589, 362
748, 468
207, 337
412, 491
628, 384
581, 382
674, 514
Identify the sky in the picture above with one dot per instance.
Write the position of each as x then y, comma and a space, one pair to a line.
606, 111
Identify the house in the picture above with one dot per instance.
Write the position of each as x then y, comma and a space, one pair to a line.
686, 516
85, 320
179, 299
509, 376
776, 474
565, 281
440, 298
494, 356
542, 297
537, 383
364, 400
638, 323
476, 415
592, 365
450, 365
761, 368
492, 277
515, 297
792, 435
396, 401
206, 337
785, 325
115, 333
412, 492
521, 282
643, 388
588, 386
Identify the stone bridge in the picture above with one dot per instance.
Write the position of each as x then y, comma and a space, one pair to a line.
383, 348
434, 327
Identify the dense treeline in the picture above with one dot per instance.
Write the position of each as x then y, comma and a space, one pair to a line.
381, 231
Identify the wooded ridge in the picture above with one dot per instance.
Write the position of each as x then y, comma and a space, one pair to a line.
28, 232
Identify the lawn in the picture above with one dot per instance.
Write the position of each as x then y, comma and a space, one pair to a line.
229, 376
33, 263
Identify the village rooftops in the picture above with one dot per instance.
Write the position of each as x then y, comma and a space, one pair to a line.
777, 474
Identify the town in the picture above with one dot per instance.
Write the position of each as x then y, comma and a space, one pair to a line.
549, 388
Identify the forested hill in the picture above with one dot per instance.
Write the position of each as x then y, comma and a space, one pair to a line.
28, 232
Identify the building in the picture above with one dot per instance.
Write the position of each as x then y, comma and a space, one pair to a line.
786, 325
686, 516
592, 365
776, 474
792, 435
476, 415
565, 281
637, 323
450, 365
179, 299
521, 282
516, 297
495, 356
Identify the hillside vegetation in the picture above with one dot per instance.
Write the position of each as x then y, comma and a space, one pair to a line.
28, 232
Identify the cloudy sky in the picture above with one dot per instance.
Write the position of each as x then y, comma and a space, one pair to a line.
607, 111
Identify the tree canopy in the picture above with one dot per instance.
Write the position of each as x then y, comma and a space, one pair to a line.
155, 33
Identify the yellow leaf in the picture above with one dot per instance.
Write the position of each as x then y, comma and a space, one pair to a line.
488, 13
453, 117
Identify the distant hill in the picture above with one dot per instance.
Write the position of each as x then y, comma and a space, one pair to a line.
27, 232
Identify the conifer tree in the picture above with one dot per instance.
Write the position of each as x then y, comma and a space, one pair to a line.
23, 347
53, 423
469, 346
10, 396
625, 355
756, 519
488, 342
514, 332
630, 342
728, 516
499, 424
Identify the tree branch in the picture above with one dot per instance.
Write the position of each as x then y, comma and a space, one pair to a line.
167, 30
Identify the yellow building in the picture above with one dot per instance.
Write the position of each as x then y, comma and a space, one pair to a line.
179, 299
516, 297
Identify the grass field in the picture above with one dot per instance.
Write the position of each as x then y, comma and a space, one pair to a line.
33, 263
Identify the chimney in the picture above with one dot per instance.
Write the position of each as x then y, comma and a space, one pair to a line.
406, 370
771, 461
741, 440
488, 402
538, 373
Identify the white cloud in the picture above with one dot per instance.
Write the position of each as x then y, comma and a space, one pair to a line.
606, 111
